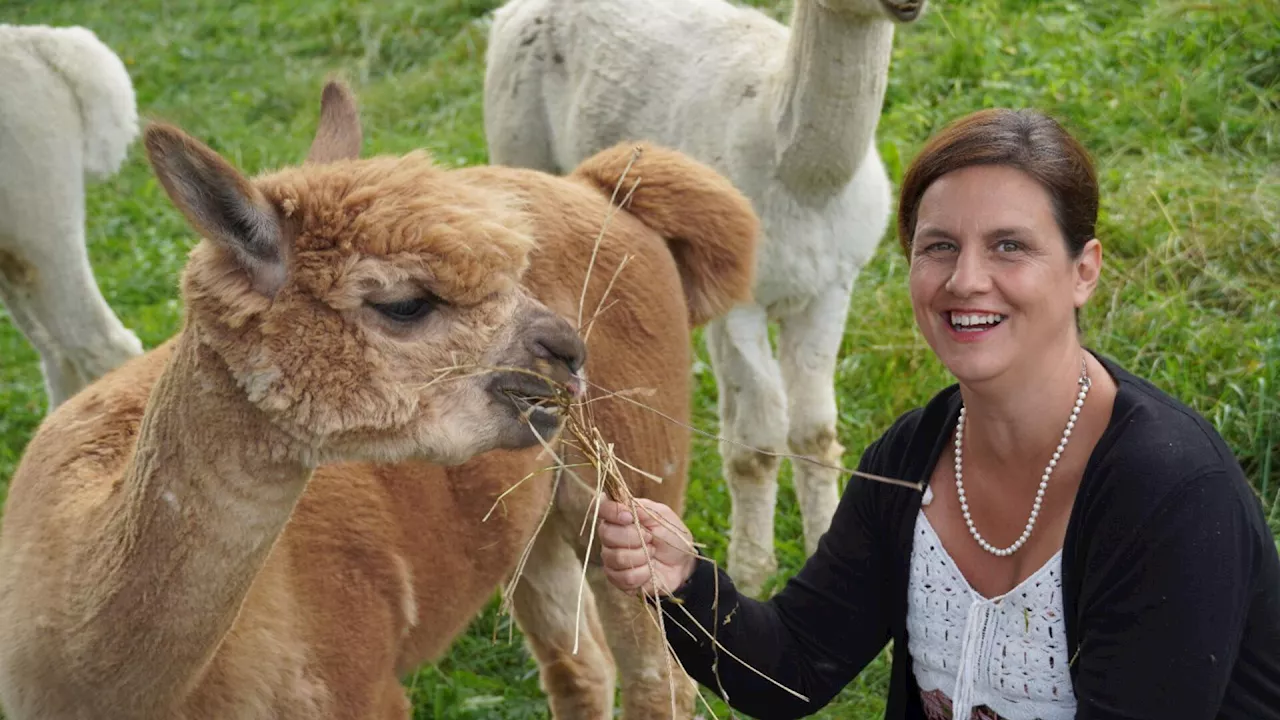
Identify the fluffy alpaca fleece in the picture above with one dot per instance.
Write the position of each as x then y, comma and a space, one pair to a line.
281, 511
787, 114
68, 116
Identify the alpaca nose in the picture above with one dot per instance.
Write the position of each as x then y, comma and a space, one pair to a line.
566, 348
563, 345
557, 341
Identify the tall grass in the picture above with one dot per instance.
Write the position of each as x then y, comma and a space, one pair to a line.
1177, 100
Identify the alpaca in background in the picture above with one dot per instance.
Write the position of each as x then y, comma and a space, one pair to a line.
789, 116
68, 116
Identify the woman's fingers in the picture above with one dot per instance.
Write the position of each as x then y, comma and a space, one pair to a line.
628, 580
662, 543
652, 514
667, 538
644, 545
655, 514
669, 543
623, 558
615, 512
622, 536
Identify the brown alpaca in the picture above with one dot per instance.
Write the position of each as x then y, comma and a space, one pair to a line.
280, 512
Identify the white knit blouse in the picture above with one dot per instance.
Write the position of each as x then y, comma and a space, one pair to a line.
1007, 653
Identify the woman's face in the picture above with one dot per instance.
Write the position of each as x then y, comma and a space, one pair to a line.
992, 285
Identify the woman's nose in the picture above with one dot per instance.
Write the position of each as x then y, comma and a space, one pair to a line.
970, 275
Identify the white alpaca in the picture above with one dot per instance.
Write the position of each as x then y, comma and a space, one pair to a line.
68, 115
788, 115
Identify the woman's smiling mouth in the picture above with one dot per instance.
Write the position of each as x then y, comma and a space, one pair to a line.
971, 324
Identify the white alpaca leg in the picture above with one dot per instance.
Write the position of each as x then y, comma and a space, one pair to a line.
808, 342
753, 414
46, 282
72, 115
63, 319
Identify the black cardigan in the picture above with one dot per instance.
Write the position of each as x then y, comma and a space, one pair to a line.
1171, 580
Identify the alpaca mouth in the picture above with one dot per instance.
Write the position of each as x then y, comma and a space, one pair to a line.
542, 410
904, 11
536, 403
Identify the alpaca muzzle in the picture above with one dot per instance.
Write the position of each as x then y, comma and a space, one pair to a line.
549, 376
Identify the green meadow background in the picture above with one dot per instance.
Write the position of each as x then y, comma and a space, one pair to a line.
1177, 100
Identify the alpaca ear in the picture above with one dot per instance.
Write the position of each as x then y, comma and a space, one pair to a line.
338, 134
220, 204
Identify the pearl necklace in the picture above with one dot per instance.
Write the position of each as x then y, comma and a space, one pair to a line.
1084, 383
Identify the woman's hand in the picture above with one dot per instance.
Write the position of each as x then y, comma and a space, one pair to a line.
657, 552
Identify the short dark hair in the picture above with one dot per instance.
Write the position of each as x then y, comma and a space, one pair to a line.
1024, 139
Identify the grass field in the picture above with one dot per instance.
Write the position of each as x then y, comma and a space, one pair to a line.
1178, 101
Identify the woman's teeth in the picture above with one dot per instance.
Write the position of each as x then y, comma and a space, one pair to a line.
975, 321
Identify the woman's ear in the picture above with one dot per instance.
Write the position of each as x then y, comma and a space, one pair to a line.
1088, 268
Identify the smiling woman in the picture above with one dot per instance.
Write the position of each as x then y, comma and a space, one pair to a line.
1085, 545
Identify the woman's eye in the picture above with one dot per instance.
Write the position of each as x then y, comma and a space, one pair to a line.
1008, 246
939, 247
406, 310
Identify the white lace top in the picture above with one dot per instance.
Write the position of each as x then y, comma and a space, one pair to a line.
1008, 653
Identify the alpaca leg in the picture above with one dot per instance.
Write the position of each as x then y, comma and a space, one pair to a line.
59, 309
808, 343
653, 685
545, 606
46, 282
753, 418
652, 682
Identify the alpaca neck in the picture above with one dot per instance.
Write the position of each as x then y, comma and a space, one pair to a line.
208, 491
832, 92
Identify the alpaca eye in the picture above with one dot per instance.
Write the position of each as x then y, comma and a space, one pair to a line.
406, 310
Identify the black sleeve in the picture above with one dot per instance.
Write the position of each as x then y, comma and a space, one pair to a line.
817, 634
1164, 608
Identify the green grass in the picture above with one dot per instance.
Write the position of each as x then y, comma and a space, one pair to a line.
1178, 101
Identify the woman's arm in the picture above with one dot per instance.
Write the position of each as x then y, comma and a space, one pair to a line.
813, 637
1163, 606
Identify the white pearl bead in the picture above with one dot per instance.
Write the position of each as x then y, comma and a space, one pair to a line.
1085, 383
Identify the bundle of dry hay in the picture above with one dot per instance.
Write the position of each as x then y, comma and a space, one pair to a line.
580, 433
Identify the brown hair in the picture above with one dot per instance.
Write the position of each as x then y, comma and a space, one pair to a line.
1025, 139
